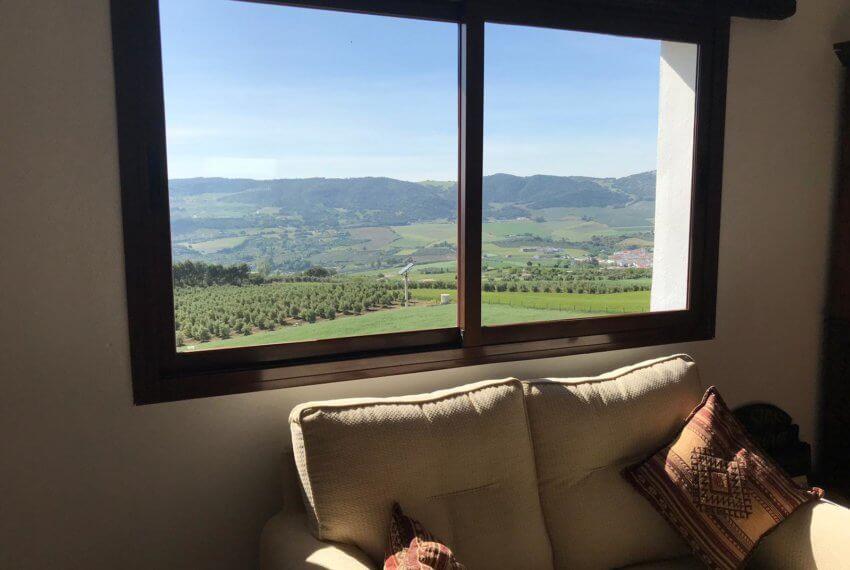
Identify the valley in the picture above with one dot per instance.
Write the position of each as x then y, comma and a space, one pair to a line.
552, 248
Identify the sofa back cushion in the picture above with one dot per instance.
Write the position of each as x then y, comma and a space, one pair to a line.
460, 461
585, 431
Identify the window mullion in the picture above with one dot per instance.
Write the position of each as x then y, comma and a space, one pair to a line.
471, 140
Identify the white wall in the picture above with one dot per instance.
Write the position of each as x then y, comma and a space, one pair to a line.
89, 481
676, 111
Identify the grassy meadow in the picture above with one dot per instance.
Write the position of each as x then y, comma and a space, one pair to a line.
394, 320
427, 313
575, 303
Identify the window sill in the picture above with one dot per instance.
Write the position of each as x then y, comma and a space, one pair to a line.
270, 377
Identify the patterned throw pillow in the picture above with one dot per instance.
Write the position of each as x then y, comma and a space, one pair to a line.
716, 488
414, 548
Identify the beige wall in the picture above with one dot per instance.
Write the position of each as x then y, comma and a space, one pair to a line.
675, 157
89, 481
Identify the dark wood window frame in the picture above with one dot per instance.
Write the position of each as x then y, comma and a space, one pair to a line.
161, 374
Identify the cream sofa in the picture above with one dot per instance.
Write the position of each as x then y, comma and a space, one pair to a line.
510, 474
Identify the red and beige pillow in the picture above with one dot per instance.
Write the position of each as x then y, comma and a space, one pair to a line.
716, 487
414, 548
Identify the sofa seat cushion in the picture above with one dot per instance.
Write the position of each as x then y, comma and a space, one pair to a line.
585, 431
460, 461
816, 536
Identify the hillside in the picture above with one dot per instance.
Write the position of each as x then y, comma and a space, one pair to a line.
370, 224
387, 201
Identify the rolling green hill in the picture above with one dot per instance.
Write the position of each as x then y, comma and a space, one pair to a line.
354, 225
387, 201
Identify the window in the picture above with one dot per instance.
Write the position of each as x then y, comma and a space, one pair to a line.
330, 189
573, 148
312, 182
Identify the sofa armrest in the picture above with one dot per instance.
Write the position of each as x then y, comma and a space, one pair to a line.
815, 537
286, 543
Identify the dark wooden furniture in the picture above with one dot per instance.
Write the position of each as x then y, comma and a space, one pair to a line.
775, 432
834, 452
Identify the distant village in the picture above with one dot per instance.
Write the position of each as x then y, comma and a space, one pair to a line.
640, 258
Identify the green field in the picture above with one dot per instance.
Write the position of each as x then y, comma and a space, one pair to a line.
566, 228
418, 273
611, 303
395, 320
498, 308
419, 235
373, 238
216, 245
569, 229
637, 242
639, 214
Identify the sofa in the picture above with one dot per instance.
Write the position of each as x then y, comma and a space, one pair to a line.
510, 474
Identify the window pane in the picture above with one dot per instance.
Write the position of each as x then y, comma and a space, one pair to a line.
312, 157
588, 144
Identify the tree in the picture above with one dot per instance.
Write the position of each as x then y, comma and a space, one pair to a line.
319, 272
202, 334
265, 267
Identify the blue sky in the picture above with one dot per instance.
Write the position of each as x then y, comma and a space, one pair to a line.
262, 91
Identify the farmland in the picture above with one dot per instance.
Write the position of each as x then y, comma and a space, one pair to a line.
428, 314
261, 262
218, 307
361, 225
577, 305
404, 319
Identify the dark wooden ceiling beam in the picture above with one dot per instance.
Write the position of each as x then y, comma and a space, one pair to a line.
451, 9
764, 9
756, 9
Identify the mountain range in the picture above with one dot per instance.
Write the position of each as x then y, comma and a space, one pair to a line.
387, 201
